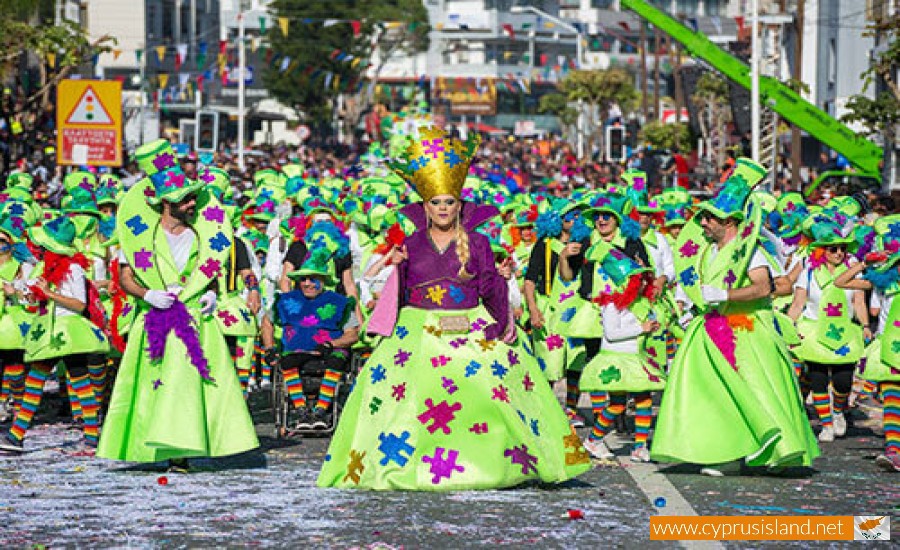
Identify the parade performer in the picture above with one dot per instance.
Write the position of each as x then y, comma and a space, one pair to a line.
442, 403
176, 394
730, 393
14, 320
623, 364
831, 344
882, 357
60, 332
544, 293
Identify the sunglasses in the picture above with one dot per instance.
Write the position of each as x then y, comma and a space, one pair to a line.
445, 202
570, 216
605, 216
306, 278
834, 249
4, 242
707, 216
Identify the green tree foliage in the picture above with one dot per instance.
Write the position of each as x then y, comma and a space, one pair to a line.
667, 136
29, 38
877, 115
595, 92
558, 105
386, 27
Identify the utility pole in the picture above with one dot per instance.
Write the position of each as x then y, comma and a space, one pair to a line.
796, 135
657, 112
755, 118
642, 41
242, 68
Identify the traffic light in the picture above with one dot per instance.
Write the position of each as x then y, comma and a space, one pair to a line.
615, 143
206, 137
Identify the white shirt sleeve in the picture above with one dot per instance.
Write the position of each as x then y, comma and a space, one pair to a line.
72, 287
803, 279
100, 269
666, 257
620, 325
515, 295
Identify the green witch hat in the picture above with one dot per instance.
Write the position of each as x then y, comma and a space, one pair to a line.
158, 160
57, 235
731, 198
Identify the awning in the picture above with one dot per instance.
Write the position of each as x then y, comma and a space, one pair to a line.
487, 129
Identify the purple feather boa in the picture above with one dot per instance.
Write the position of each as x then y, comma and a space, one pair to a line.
159, 322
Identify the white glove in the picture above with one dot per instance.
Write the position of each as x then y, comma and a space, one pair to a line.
685, 320
208, 302
273, 230
284, 210
159, 299
713, 295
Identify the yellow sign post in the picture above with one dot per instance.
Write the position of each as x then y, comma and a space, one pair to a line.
89, 122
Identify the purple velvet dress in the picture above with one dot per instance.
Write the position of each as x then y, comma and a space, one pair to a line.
429, 279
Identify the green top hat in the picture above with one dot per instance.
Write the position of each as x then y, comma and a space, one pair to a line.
292, 170
827, 233
217, 179
844, 204
13, 227
57, 235
80, 201
614, 203
158, 160
620, 267
108, 189
258, 240
313, 205
887, 229
80, 179
637, 192
792, 210
731, 198
317, 265
676, 197
267, 177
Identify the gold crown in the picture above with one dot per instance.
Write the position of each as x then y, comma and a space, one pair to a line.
436, 164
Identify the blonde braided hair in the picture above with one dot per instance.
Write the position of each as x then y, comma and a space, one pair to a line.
462, 249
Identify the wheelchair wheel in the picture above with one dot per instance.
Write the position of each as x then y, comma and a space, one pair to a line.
279, 399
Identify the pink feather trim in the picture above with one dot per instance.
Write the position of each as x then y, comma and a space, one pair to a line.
722, 335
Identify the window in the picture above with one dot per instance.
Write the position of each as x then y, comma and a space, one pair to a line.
602, 4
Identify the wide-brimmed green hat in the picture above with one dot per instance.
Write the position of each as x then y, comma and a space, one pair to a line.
616, 204
20, 179
729, 202
317, 265
619, 267
57, 235
792, 212
158, 160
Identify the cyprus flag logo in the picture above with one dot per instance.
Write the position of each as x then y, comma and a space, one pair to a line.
871, 528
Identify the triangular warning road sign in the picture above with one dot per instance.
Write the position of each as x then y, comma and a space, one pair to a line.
89, 110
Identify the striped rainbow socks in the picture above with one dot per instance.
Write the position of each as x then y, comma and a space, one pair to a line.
890, 395
822, 404
607, 417
295, 388
327, 389
84, 390
31, 400
572, 391
12, 385
598, 401
97, 375
643, 415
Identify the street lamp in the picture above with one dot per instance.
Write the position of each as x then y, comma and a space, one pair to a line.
571, 28
568, 26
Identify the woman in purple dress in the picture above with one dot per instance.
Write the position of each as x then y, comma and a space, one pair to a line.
448, 400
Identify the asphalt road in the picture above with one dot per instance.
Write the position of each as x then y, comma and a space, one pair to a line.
52, 496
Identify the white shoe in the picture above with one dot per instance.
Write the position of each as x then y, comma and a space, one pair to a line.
840, 424
827, 434
640, 454
265, 384
597, 449
712, 472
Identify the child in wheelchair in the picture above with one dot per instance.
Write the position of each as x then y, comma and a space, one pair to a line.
319, 327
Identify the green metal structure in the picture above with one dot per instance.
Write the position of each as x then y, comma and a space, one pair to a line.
860, 152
